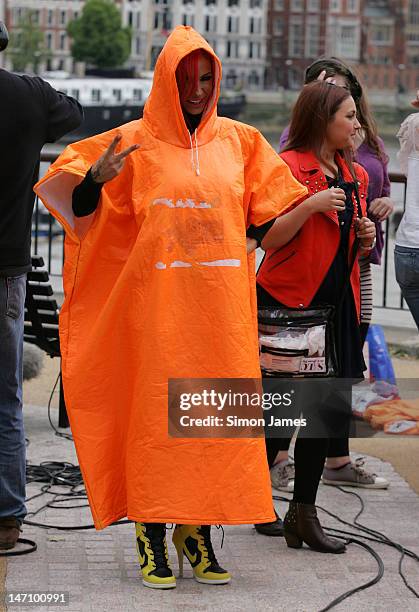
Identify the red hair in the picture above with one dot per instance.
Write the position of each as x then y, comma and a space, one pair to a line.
187, 73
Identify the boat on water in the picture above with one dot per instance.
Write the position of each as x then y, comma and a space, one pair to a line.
110, 102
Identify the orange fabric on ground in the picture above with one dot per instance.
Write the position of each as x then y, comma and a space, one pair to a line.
385, 415
158, 285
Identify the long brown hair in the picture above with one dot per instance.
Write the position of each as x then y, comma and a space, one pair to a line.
333, 66
315, 108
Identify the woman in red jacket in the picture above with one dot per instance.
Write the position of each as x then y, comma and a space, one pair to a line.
306, 263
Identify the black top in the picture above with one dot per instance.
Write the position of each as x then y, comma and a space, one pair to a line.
32, 113
348, 337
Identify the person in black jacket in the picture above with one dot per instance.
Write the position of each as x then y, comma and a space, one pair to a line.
32, 113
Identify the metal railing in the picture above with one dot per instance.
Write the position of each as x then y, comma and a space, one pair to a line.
48, 241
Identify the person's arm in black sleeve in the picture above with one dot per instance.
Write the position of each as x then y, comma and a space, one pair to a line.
63, 113
86, 196
258, 233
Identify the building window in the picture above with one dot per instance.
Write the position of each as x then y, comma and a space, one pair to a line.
352, 6
96, 95
313, 6
158, 20
413, 12
63, 17
35, 17
63, 38
188, 20
253, 78
233, 2
49, 40
381, 33
233, 49
233, 24
75, 93
117, 94
297, 6
278, 27
130, 18
335, 6
348, 41
210, 23
279, 5
254, 50
209, 2
255, 3
231, 78
138, 21
75, 15
17, 15
296, 39
50, 17
276, 47
138, 46
312, 39
137, 95
255, 25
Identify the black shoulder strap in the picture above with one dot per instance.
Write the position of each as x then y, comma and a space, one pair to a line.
354, 250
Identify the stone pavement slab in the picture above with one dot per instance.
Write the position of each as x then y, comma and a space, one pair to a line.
100, 571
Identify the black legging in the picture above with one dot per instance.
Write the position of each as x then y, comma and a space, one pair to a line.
309, 456
338, 447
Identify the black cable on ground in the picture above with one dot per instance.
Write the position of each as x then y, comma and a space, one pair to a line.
365, 585
15, 553
373, 536
379, 537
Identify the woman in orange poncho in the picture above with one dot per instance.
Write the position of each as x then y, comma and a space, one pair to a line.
158, 285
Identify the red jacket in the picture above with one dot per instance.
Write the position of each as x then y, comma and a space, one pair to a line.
293, 273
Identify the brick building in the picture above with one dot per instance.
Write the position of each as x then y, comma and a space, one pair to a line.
379, 38
303, 30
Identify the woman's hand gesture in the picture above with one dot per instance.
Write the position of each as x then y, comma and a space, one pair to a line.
326, 200
110, 164
381, 208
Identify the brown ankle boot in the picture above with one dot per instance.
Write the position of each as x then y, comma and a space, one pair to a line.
302, 525
9, 532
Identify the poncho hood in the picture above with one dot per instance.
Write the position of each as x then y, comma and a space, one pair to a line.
163, 112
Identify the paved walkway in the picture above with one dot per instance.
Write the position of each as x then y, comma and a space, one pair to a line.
99, 569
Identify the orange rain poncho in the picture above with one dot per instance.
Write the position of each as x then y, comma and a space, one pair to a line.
158, 285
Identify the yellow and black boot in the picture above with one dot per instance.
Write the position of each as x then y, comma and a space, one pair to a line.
194, 541
153, 557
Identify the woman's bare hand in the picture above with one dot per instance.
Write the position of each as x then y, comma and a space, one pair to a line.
365, 231
381, 208
322, 77
110, 164
328, 199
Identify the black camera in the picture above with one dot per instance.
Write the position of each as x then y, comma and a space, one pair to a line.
4, 36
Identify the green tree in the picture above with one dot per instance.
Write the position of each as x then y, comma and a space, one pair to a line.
27, 47
98, 36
